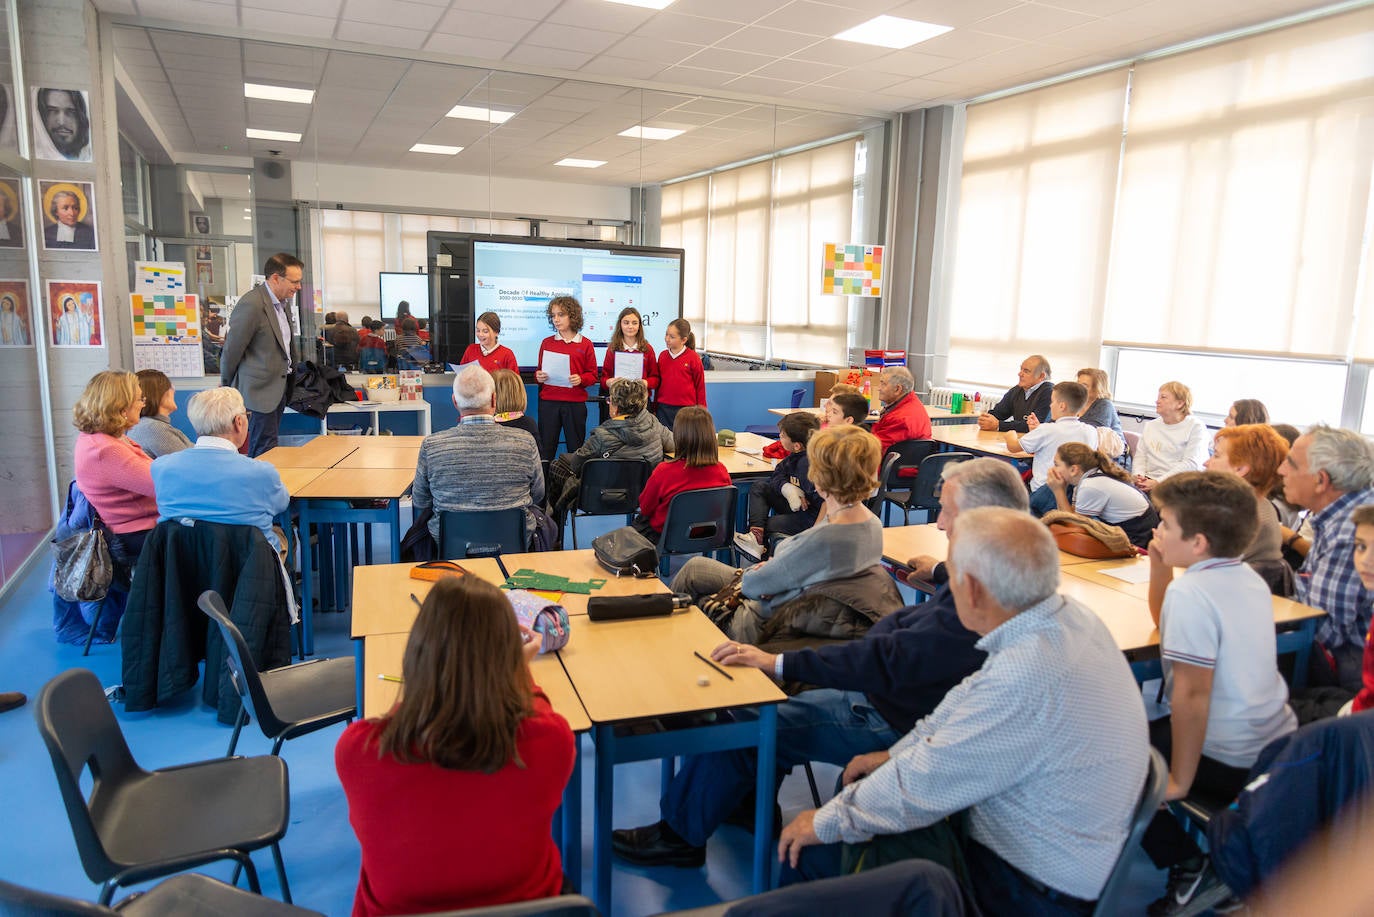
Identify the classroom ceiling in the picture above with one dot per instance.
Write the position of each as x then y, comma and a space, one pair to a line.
738, 77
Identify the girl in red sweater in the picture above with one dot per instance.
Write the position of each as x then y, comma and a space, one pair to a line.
487, 351
629, 338
696, 466
563, 408
681, 377
452, 793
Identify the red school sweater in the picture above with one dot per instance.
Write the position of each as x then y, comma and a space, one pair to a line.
672, 478
435, 839
502, 357
581, 362
650, 370
681, 379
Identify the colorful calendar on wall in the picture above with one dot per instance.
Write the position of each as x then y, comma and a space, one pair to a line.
166, 320
852, 270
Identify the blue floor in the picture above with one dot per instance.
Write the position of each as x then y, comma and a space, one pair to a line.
320, 850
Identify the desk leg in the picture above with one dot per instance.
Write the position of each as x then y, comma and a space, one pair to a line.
571, 815
601, 819
307, 587
358, 666
765, 790
395, 507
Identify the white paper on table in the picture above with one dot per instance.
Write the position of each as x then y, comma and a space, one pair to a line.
559, 368
629, 365
1130, 573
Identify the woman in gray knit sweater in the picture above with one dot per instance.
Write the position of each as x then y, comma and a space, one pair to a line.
847, 541
154, 431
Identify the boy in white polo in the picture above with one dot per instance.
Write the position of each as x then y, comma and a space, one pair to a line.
1044, 439
1216, 631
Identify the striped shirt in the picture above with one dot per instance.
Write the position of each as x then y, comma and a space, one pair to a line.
1328, 579
1045, 746
477, 465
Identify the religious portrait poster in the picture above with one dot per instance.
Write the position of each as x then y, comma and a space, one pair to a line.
74, 313
16, 320
68, 215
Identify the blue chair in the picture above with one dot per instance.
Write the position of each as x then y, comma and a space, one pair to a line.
699, 522
475, 533
771, 430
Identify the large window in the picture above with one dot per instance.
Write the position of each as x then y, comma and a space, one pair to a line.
753, 237
1213, 200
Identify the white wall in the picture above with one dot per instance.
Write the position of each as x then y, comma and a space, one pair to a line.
397, 188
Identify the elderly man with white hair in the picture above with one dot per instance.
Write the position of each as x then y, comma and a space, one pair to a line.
479, 464
903, 417
212, 481
1329, 472
1045, 747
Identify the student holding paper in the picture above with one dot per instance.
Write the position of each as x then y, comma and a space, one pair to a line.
486, 350
682, 378
567, 368
627, 343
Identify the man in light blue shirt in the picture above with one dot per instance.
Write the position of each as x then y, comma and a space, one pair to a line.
1045, 747
212, 481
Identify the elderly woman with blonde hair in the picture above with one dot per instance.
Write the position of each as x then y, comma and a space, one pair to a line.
1174, 441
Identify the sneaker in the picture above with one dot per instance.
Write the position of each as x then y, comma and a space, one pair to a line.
656, 845
1191, 891
745, 544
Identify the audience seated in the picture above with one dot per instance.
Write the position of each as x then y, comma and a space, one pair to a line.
452, 792
212, 481
868, 693
1255, 452
154, 432
903, 416
1174, 441
1044, 439
111, 470
695, 466
844, 468
1329, 472
1246, 411
845, 408
1321, 702
1227, 700
479, 464
1044, 747
788, 493
1101, 412
512, 401
346, 342
1101, 490
371, 347
409, 338
1030, 395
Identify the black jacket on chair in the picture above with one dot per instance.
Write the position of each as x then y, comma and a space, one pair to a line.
165, 633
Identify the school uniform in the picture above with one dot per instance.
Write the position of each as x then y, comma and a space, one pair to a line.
563, 409
1116, 503
499, 357
681, 382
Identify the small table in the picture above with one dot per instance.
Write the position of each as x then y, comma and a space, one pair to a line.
368, 456
903, 542
937, 415
966, 438
643, 669
376, 409
320, 452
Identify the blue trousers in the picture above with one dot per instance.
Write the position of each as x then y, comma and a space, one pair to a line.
826, 725
1042, 501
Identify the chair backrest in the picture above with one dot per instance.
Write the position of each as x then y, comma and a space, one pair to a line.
611, 486
928, 479
562, 906
80, 731
481, 533
902, 463
372, 359
29, 902
1132, 441
243, 672
699, 521
1156, 780
797, 395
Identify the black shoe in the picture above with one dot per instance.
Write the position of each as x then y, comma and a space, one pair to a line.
656, 845
1192, 890
11, 700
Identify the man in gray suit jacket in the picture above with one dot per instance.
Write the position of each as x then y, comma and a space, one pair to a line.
260, 352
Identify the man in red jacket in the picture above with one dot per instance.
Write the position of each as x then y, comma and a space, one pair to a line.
903, 417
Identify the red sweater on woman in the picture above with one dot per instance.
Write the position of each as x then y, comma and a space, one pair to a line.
681, 379
116, 476
501, 357
649, 373
581, 362
670, 479
435, 839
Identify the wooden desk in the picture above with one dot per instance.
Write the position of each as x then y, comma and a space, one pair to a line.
383, 656
903, 542
393, 442
644, 669
320, 452
969, 438
368, 456
295, 479
741, 465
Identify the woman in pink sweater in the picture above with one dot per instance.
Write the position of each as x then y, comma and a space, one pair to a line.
111, 470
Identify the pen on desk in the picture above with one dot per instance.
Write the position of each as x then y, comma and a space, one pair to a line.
394, 679
416, 599
713, 665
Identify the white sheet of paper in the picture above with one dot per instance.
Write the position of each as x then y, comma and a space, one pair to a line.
559, 368
1131, 573
629, 365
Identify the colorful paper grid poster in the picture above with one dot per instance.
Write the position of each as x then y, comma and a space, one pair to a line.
852, 270
151, 277
166, 319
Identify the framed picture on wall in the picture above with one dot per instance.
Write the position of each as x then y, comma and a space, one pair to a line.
16, 323
205, 273
62, 124
68, 215
203, 253
11, 214
200, 223
74, 313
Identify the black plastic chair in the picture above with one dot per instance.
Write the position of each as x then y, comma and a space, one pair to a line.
186, 894
925, 492
698, 522
287, 702
481, 533
609, 487
900, 471
138, 825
